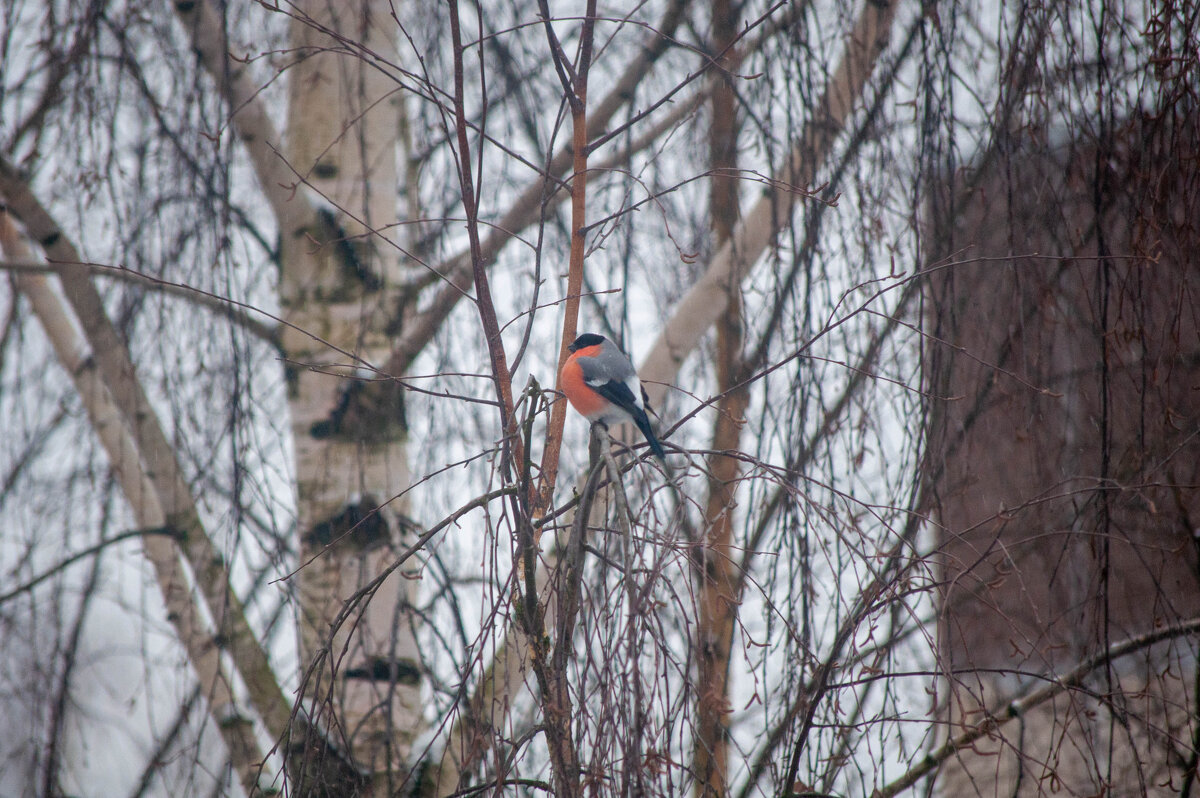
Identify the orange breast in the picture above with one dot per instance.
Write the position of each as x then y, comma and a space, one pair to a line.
582, 398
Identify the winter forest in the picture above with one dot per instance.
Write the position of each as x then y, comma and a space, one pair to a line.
291, 502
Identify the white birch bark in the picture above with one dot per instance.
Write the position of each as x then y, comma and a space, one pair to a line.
343, 123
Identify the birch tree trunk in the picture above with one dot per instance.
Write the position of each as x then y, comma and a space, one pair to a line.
338, 291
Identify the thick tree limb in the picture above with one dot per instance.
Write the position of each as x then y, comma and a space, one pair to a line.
708, 298
716, 579
109, 361
110, 424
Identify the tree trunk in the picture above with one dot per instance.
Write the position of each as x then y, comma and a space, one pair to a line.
1064, 526
338, 291
716, 556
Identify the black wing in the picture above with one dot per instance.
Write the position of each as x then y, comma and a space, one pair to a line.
618, 393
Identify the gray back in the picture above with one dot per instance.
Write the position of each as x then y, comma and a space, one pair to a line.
610, 364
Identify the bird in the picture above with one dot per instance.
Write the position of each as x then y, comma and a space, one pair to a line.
601, 384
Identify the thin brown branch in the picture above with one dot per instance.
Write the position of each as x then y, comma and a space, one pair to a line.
82, 554
811, 694
229, 308
419, 330
562, 64
799, 461
579, 121
633, 743
53, 765
716, 578
512, 450
551, 672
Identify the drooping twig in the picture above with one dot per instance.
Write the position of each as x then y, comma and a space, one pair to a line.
707, 299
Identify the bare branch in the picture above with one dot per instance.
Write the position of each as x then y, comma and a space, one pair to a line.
229, 308
90, 551
290, 200
1016, 708
110, 425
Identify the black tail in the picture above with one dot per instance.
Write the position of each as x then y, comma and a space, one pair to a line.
643, 423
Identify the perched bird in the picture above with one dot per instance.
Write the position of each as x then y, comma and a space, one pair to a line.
600, 382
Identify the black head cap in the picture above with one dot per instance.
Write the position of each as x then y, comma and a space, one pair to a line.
586, 340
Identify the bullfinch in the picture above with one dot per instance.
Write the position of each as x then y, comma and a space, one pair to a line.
600, 383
